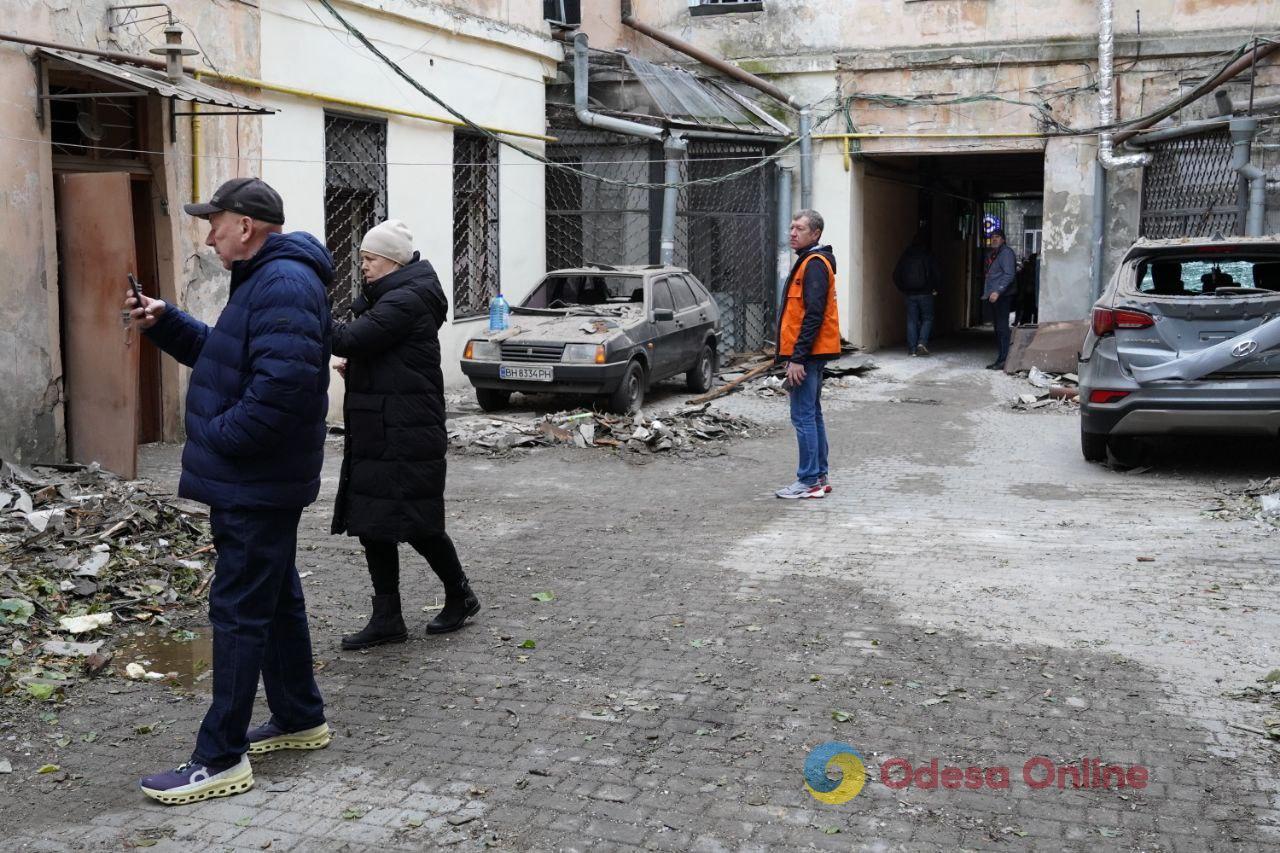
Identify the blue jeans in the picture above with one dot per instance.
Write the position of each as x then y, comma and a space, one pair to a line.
259, 624
811, 432
1000, 316
919, 319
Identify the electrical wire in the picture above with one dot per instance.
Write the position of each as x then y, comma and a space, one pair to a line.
546, 161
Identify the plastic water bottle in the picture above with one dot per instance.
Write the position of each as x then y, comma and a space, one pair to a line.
499, 313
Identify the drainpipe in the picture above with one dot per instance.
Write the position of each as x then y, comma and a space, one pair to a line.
1099, 228
674, 147
784, 231
1106, 93
594, 119
806, 159
1107, 159
1242, 132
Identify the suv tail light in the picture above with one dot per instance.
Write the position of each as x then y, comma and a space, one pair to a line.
1099, 395
1107, 320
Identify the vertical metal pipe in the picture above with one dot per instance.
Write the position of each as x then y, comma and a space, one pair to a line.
784, 230
674, 147
1099, 226
1252, 179
806, 160
1106, 92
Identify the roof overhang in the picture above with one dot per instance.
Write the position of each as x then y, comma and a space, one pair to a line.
147, 80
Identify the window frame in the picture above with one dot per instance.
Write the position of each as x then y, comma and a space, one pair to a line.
470, 300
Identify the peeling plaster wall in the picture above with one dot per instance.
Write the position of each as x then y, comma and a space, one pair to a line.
1068, 199
31, 414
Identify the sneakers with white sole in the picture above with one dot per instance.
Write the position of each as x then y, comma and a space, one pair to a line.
801, 491
269, 737
193, 782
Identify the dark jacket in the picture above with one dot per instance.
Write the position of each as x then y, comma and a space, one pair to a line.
916, 271
816, 290
1002, 271
393, 467
260, 377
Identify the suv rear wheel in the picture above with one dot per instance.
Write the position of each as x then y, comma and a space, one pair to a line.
492, 400
1094, 446
629, 396
700, 378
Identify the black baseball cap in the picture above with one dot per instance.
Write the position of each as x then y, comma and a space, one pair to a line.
251, 197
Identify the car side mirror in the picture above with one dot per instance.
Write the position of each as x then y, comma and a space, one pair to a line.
662, 315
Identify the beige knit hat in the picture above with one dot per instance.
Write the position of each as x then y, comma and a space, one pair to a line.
391, 240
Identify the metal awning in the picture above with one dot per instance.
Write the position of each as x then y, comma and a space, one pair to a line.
704, 103
144, 80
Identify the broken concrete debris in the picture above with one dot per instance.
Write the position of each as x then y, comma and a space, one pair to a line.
1258, 500
1055, 392
685, 430
84, 557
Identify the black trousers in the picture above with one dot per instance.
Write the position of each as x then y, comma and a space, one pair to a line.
259, 623
384, 562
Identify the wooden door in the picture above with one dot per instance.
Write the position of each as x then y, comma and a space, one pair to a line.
99, 346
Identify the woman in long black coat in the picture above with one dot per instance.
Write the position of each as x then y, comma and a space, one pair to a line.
391, 488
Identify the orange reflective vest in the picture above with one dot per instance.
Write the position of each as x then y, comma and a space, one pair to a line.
827, 343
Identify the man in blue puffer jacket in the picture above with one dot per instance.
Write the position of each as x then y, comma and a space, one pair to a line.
255, 442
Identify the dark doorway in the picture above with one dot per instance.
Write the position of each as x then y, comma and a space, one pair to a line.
957, 199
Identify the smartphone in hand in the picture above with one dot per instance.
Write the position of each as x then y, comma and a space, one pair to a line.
136, 288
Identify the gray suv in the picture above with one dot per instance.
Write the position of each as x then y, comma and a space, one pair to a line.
1184, 341
603, 331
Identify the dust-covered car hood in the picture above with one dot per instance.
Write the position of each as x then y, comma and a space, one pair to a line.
587, 324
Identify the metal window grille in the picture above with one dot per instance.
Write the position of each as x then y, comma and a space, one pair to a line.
724, 231
475, 224
1190, 190
355, 196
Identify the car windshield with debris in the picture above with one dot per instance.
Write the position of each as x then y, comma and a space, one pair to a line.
605, 332
586, 294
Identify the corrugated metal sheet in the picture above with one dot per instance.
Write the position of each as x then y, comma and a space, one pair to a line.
149, 79
685, 98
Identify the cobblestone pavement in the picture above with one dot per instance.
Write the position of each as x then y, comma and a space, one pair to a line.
971, 592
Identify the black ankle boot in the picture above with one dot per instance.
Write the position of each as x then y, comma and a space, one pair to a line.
386, 625
459, 605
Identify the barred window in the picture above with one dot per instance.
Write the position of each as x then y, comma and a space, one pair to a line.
355, 196
475, 224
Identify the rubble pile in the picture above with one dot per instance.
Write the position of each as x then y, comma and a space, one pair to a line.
837, 375
85, 556
1054, 392
682, 431
1259, 500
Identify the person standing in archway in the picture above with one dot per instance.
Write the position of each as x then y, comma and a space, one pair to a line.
998, 289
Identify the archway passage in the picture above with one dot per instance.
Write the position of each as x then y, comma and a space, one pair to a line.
954, 201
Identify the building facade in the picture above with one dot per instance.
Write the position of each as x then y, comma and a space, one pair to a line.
278, 90
948, 114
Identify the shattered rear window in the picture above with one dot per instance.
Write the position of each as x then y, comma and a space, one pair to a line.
1204, 276
564, 291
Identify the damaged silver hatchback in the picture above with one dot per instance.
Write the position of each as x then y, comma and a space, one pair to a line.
604, 331
1185, 340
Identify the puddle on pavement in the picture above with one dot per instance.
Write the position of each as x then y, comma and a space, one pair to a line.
180, 656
